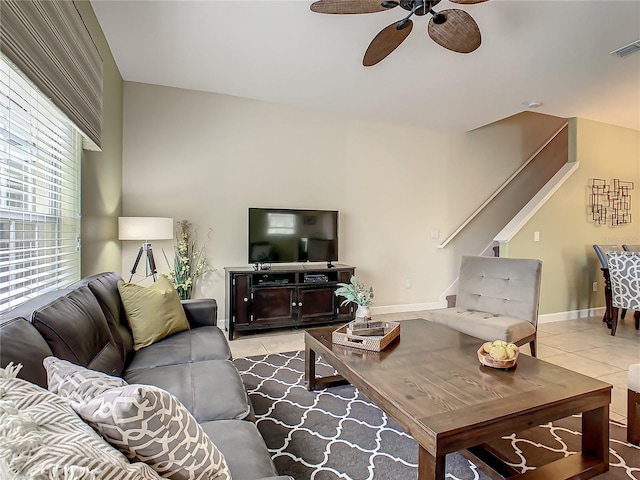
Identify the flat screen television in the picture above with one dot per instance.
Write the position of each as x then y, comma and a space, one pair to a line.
279, 235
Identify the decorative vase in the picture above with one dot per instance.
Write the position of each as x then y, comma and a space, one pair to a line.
363, 313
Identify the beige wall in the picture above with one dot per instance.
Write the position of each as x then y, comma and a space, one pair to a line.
102, 171
567, 232
206, 158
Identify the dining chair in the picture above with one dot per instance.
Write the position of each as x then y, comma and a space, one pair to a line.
631, 248
624, 274
601, 253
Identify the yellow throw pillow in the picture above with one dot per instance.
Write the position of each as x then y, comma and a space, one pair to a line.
153, 312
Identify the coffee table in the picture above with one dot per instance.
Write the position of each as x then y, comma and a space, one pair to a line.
430, 381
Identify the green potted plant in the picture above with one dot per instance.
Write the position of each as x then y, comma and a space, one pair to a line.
356, 292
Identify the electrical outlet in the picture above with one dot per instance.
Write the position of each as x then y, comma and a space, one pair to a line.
536, 236
408, 283
595, 286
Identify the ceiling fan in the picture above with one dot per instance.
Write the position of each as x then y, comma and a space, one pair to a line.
453, 29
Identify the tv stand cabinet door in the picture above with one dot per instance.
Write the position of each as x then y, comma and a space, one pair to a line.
241, 295
316, 303
273, 305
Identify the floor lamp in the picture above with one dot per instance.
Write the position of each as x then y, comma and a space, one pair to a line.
145, 228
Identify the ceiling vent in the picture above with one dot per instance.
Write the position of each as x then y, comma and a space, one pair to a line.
633, 47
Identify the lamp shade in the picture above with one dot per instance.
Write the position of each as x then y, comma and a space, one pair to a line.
145, 228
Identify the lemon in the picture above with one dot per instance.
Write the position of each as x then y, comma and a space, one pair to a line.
498, 352
511, 349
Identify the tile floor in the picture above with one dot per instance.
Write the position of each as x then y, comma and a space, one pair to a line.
584, 346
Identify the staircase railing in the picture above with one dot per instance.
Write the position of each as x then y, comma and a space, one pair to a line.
504, 185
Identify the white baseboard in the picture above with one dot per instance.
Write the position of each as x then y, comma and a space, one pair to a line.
571, 315
547, 318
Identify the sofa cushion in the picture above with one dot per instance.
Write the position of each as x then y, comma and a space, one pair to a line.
42, 437
76, 330
21, 343
211, 390
482, 325
105, 288
77, 383
153, 312
149, 424
243, 448
198, 344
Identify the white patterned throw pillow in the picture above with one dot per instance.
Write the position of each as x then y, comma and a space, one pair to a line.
149, 424
76, 383
42, 438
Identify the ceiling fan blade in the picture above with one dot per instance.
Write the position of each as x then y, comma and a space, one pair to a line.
347, 6
386, 42
455, 30
468, 2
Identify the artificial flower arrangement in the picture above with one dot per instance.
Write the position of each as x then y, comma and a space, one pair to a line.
189, 262
355, 292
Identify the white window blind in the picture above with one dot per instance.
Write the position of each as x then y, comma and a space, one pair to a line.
40, 153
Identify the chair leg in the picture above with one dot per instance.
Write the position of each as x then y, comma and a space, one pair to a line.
532, 347
614, 320
636, 316
607, 296
633, 418
623, 313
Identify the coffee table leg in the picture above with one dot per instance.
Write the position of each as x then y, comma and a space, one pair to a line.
595, 434
310, 368
430, 467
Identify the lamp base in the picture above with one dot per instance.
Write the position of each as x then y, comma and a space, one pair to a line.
150, 263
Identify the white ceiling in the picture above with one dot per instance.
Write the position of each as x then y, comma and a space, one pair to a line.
556, 52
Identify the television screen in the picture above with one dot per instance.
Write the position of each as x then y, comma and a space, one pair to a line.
286, 235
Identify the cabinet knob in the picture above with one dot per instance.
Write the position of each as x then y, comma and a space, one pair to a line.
246, 299
300, 304
293, 304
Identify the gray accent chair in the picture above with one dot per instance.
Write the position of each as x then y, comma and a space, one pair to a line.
497, 299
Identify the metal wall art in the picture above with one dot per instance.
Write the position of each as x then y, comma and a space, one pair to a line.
611, 202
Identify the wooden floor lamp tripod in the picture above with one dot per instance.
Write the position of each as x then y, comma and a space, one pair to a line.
145, 228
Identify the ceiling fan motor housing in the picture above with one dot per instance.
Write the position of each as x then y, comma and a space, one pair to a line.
419, 7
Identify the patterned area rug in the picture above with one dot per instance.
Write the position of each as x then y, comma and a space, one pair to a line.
338, 433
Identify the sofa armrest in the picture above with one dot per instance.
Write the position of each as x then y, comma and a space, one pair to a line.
201, 312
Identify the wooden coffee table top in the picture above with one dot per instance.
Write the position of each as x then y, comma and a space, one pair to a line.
431, 382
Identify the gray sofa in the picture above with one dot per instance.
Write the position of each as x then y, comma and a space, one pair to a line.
497, 300
86, 325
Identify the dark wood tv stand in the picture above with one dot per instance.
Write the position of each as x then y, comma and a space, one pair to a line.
285, 296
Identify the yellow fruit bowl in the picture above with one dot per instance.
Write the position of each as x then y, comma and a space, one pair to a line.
489, 361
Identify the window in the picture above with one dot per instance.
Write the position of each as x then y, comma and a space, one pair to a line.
40, 153
281, 224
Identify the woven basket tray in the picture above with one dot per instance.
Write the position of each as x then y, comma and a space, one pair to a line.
489, 361
341, 336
